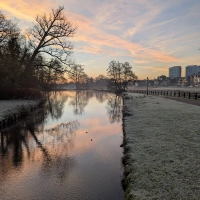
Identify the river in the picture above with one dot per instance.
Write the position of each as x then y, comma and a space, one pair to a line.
69, 150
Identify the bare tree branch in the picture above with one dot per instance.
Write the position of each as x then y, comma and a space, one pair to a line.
7, 28
49, 35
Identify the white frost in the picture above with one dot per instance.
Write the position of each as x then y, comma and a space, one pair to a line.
8, 107
163, 148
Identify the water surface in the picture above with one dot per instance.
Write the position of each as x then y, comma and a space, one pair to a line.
69, 150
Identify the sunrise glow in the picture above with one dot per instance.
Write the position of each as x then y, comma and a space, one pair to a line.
151, 35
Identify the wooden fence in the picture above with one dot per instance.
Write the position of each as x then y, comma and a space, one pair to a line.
183, 94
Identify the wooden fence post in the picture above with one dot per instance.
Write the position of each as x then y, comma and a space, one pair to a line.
195, 96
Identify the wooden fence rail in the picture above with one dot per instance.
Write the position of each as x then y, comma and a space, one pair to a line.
183, 94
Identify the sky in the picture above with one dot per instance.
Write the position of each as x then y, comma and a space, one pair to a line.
151, 35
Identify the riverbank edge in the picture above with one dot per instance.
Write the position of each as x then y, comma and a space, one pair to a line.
14, 117
127, 158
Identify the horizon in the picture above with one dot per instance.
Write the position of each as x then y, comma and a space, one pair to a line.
151, 36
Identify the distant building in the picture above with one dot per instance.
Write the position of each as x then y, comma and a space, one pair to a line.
175, 72
192, 70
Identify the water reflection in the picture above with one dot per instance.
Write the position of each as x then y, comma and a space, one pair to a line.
114, 108
48, 148
15, 138
28, 132
80, 101
55, 104
101, 96
82, 97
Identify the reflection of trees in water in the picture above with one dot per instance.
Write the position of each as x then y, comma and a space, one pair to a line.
55, 104
56, 100
15, 139
27, 140
60, 139
58, 168
12, 142
101, 96
15, 143
80, 101
114, 108
20, 142
63, 133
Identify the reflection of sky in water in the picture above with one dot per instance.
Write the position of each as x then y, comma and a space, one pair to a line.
76, 168
94, 110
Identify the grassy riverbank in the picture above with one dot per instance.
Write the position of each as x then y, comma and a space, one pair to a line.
9, 107
162, 148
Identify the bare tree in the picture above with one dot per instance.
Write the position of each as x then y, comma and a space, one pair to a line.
83, 79
101, 81
7, 28
120, 74
48, 72
49, 36
100, 78
77, 74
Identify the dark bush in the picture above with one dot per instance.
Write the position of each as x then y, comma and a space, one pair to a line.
20, 93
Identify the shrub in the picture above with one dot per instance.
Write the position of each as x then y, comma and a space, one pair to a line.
20, 93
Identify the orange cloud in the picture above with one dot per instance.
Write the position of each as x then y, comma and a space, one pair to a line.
103, 39
15, 12
154, 68
87, 31
26, 10
95, 50
140, 61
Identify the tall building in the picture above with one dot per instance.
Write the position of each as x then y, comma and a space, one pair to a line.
175, 72
192, 69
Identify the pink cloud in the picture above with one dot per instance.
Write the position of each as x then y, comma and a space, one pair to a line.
87, 31
165, 69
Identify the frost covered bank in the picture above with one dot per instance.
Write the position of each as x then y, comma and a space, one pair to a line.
162, 148
10, 107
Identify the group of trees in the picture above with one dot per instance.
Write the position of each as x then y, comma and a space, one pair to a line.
78, 76
120, 74
38, 57
11, 53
